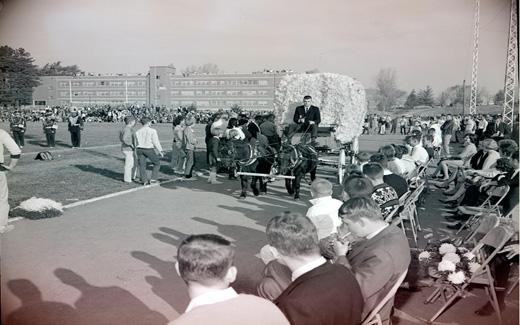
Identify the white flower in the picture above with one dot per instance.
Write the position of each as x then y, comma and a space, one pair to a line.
447, 248
424, 255
39, 204
457, 277
452, 257
473, 267
446, 266
469, 255
463, 249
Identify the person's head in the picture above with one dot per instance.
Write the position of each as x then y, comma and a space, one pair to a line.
206, 259
373, 171
507, 147
270, 117
428, 140
129, 120
321, 188
388, 151
360, 215
190, 120
401, 150
379, 158
470, 138
356, 186
146, 121
505, 165
292, 235
431, 131
412, 140
307, 100
449, 117
488, 145
363, 157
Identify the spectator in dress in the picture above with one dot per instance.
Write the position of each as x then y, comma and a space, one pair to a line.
14, 151
205, 263
319, 292
148, 147
447, 131
379, 260
383, 194
127, 137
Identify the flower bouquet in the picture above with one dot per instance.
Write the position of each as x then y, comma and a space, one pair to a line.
38, 208
341, 100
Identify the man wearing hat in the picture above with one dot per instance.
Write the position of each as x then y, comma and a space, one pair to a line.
75, 127
18, 126
49, 128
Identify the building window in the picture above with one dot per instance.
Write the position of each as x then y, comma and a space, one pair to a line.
263, 82
101, 83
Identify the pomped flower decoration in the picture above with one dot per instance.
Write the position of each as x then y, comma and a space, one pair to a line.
462, 249
445, 265
457, 277
473, 267
447, 248
452, 257
425, 255
469, 255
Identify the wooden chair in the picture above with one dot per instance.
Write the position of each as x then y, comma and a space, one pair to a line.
496, 239
374, 317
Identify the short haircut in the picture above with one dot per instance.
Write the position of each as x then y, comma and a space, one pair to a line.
413, 137
307, 97
129, 119
373, 170
363, 156
358, 186
321, 186
293, 235
360, 207
379, 158
145, 120
428, 138
388, 151
204, 258
507, 147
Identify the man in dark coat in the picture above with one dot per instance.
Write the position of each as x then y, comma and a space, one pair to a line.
306, 118
75, 127
320, 292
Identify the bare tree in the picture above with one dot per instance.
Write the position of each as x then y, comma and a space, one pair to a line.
387, 91
207, 68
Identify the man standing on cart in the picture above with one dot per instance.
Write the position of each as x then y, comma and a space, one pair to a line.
306, 118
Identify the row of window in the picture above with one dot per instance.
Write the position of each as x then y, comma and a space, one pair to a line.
207, 103
234, 82
219, 93
130, 93
121, 83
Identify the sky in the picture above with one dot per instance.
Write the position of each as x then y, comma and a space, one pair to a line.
426, 42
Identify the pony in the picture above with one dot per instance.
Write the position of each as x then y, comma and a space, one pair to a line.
296, 160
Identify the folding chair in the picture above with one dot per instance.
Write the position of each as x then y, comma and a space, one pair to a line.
496, 238
409, 212
486, 206
398, 208
374, 317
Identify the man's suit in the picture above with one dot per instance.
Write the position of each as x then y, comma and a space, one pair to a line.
311, 114
377, 263
328, 294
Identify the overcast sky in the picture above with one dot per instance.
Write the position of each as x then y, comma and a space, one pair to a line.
427, 42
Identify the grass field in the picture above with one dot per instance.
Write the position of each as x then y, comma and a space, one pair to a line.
96, 169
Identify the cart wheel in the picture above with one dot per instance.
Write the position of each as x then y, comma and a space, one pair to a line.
341, 165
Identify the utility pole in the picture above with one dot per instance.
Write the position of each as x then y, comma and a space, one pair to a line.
474, 69
511, 66
464, 97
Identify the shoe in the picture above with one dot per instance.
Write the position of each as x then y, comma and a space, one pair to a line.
243, 195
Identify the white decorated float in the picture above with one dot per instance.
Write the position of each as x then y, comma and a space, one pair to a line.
342, 104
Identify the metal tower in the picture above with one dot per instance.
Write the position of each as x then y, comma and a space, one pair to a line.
511, 65
474, 69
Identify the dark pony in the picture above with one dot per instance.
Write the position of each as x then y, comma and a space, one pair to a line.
296, 160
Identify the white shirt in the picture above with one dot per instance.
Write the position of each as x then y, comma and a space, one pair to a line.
408, 165
307, 267
8, 142
420, 154
147, 138
212, 297
324, 215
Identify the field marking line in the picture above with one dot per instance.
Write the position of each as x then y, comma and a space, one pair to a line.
115, 194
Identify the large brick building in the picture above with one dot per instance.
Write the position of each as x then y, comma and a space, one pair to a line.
161, 86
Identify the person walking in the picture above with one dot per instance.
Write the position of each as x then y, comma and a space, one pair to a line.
11, 146
148, 147
75, 127
178, 155
188, 144
127, 138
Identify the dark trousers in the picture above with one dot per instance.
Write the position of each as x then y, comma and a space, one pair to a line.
19, 138
51, 139
75, 138
144, 154
190, 162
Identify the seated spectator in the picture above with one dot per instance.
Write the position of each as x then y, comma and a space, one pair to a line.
324, 210
383, 194
406, 161
319, 292
357, 186
460, 160
205, 263
378, 261
362, 159
397, 182
418, 153
428, 145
